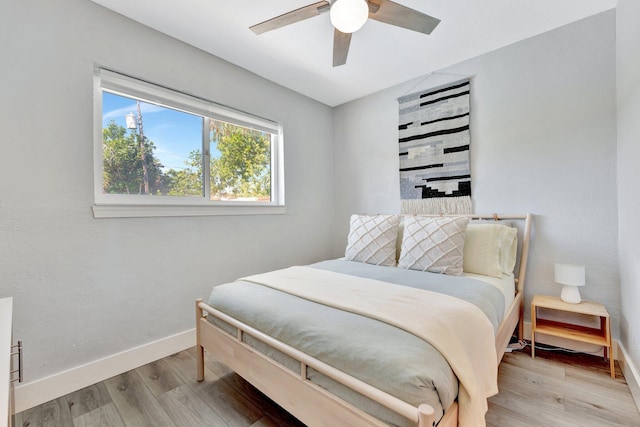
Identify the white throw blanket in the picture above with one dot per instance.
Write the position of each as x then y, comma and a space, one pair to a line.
456, 328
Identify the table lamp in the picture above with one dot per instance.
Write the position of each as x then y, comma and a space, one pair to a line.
571, 276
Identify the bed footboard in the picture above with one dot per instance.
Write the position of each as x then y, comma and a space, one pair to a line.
311, 404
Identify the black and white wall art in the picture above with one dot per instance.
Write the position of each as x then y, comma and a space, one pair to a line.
434, 140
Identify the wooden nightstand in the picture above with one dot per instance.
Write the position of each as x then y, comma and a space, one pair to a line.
601, 336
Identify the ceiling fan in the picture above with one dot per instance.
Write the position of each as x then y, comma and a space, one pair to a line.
348, 16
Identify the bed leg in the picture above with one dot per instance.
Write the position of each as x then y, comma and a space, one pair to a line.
199, 347
426, 416
520, 330
521, 320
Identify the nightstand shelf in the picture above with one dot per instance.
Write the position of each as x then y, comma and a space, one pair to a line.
598, 336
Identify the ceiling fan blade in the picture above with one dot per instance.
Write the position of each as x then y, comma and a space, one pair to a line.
396, 14
341, 43
294, 16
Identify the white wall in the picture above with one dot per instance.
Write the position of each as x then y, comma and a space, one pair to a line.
543, 113
85, 288
543, 140
628, 70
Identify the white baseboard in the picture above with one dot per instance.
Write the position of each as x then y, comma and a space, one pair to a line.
630, 373
45, 389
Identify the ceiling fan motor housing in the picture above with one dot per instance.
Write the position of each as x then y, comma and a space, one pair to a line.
348, 16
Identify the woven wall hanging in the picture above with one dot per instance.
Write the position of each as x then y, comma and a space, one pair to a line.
434, 137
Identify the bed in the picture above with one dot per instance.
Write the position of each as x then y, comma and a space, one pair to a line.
325, 343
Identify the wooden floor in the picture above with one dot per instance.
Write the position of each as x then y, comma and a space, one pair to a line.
552, 390
560, 389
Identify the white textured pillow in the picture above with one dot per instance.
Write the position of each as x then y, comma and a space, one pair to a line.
372, 239
400, 234
433, 244
489, 249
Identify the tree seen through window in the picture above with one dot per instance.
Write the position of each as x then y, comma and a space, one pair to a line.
160, 153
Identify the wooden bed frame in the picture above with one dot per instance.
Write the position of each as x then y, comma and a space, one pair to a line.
314, 405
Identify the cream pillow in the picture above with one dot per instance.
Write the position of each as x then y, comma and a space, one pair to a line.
482, 250
489, 249
508, 249
433, 244
372, 239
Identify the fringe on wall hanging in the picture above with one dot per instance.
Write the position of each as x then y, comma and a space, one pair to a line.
434, 138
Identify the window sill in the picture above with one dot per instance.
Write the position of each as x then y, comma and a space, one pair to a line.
148, 211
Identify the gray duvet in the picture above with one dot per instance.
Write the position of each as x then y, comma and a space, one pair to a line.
377, 353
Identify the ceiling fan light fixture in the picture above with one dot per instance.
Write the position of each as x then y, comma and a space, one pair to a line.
348, 16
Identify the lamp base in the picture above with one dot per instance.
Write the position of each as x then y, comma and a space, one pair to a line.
570, 294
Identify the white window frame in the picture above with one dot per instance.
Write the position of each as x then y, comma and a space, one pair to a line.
121, 205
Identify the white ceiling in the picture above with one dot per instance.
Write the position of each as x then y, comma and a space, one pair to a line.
299, 56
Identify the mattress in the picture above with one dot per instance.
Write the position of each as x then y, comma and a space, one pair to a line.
375, 352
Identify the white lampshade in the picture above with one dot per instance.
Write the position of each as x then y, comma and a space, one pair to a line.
349, 16
571, 276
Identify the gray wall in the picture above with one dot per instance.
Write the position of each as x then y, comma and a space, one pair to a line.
543, 140
628, 70
543, 113
86, 288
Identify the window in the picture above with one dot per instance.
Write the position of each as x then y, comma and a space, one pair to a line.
159, 152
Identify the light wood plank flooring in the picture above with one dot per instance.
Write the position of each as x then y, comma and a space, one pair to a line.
552, 390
